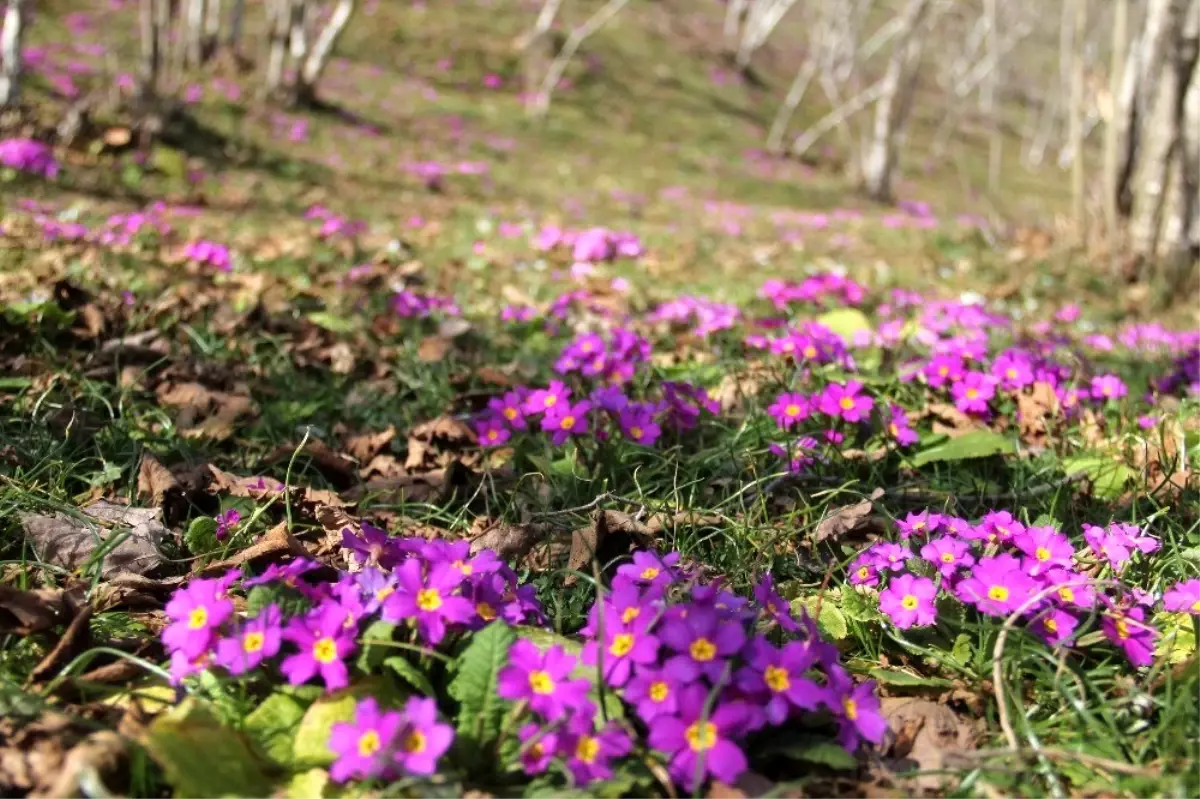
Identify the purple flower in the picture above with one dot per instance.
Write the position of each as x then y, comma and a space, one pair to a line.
1073, 588
999, 526
773, 606
226, 522
590, 752
27, 155
255, 641
492, 432
324, 643
860, 716
653, 693
1013, 370
428, 598
195, 612
778, 675
690, 737
703, 641
943, 369
889, 556
371, 546
948, 554
421, 740
565, 420
908, 601
546, 399
538, 746
789, 410
288, 575
364, 746
899, 428
1106, 387
971, 394
1129, 631
1183, 597
637, 423
508, 408
1118, 542
649, 569
997, 586
541, 678
1044, 547
864, 570
920, 524
1055, 626
624, 646
845, 401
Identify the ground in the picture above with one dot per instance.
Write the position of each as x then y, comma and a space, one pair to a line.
276, 332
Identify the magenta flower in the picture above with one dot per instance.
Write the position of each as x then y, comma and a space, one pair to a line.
508, 408
429, 599
649, 569
789, 410
898, 426
999, 526
566, 420
997, 586
1074, 589
1044, 548
772, 605
971, 394
908, 601
421, 740
542, 679
703, 642
372, 546
653, 693
777, 675
195, 612
889, 556
864, 570
226, 522
538, 747
845, 402
698, 746
947, 554
27, 155
1108, 387
1055, 626
1118, 542
860, 717
544, 400
624, 646
920, 524
1183, 597
364, 746
943, 369
1014, 371
324, 644
1130, 632
590, 752
638, 424
255, 641
492, 432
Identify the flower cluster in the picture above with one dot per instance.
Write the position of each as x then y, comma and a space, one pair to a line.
816, 290
209, 253
593, 245
410, 304
432, 588
613, 358
999, 566
700, 666
333, 224
707, 316
30, 156
389, 743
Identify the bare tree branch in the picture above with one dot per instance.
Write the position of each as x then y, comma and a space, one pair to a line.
540, 102
11, 33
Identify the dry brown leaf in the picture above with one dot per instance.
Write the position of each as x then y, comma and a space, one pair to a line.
341, 358
272, 545
854, 519
27, 612
434, 486
202, 412
949, 420
75, 640
510, 541
339, 468
91, 321
749, 784
70, 542
433, 349
154, 479
365, 446
926, 735
434, 444
47, 756
1036, 410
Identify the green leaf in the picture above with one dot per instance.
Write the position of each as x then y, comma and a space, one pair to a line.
188, 740
845, 322
831, 621
859, 606
976, 444
372, 655
169, 161
406, 670
310, 748
810, 749
1177, 639
1108, 476
332, 322
903, 678
480, 710
201, 535
961, 652
273, 724
312, 783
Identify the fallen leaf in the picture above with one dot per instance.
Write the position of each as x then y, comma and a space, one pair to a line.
92, 321
272, 545
365, 446
926, 736
433, 349
75, 639
1035, 409
202, 412
339, 468
26, 612
748, 784
49, 755
433, 444
847, 519
949, 420
154, 479
70, 542
610, 535
433, 487
510, 541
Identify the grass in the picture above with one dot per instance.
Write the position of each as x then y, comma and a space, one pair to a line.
644, 140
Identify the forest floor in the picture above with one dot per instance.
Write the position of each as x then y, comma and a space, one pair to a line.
624, 352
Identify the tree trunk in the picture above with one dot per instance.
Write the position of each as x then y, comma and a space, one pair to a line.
233, 35
795, 95
898, 82
987, 94
194, 33
536, 49
280, 19
539, 104
212, 29
1182, 233
1116, 74
318, 58
1078, 186
10, 52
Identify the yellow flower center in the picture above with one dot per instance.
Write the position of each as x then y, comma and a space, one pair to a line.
1122, 629
550, 400
635, 432
701, 736
465, 568
198, 618
972, 393
943, 371
703, 650
567, 422
893, 429
1042, 554
253, 642
586, 346
846, 403
1066, 594
510, 413
947, 557
325, 650
918, 526
369, 744
630, 613
587, 749
1011, 374
649, 573
851, 708
536, 751
384, 593
909, 602
998, 593
777, 678
540, 682
1051, 625
792, 410
659, 691
810, 351
414, 742
428, 599
864, 572
1196, 606
485, 611
621, 645
493, 434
